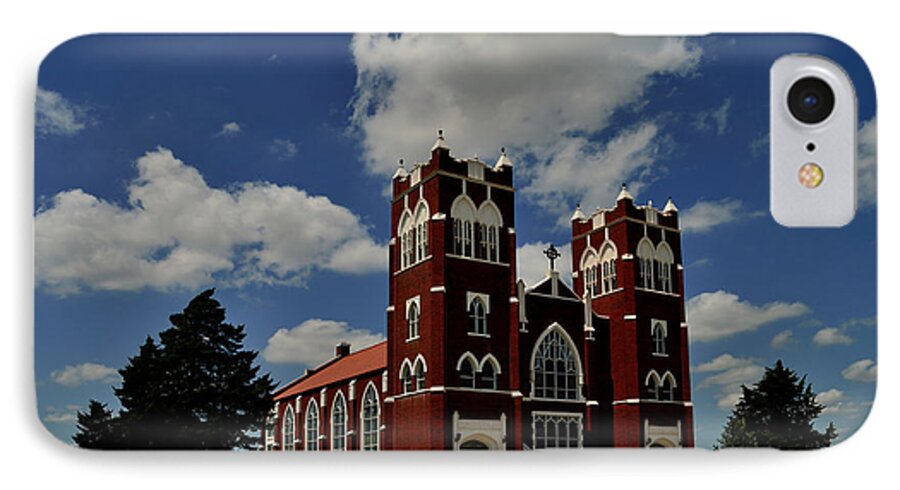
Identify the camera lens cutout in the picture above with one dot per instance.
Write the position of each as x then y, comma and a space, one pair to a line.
810, 100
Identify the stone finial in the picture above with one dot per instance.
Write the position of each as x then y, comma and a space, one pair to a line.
624, 194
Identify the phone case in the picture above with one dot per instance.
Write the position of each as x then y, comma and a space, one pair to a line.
419, 241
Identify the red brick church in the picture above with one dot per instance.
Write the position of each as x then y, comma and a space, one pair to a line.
476, 359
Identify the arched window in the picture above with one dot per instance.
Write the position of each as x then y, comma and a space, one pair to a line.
405, 242
270, 429
463, 215
490, 221
421, 220
659, 338
652, 383
339, 423
466, 369
478, 317
556, 368
406, 377
370, 419
589, 271
488, 377
420, 373
412, 320
287, 430
646, 258
312, 426
608, 268
664, 261
667, 387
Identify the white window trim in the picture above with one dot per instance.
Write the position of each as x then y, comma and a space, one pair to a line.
334, 400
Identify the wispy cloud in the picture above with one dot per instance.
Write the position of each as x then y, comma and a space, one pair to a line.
283, 149
714, 118
704, 216
312, 342
54, 115
867, 163
862, 371
72, 376
720, 314
782, 340
730, 374
229, 129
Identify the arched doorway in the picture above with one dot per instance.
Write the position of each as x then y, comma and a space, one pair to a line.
479, 442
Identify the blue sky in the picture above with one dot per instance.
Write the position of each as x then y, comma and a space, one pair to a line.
259, 165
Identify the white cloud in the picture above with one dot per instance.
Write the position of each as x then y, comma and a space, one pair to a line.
867, 163
830, 397
532, 264
283, 149
230, 129
863, 371
54, 115
717, 117
782, 339
312, 342
177, 232
61, 416
714, 316
546, 98
731, 373
831, 336
722, 363
847, 409
703, 216
89, 372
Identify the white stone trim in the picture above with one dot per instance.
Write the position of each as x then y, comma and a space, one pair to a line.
438, 289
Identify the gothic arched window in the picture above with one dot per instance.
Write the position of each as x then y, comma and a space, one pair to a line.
287, 430
659, 338
370, 419
412, 320
478, 316
667, 387
406, 377
646, 258
312, 426
419, 373
664, 261
467, 373
339, 423
488, 376
556, 368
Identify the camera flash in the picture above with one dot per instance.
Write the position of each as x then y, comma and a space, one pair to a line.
811, 175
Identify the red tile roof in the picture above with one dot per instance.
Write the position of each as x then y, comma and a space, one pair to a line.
337, 369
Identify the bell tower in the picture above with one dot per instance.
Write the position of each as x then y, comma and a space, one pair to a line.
627, 260
452, 317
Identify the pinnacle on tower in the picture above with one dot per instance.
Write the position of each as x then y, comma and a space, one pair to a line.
670, 206
503, 161
578, 214
440, 143
624, 194
401, 171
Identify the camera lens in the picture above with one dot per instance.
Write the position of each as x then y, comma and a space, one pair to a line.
810, 100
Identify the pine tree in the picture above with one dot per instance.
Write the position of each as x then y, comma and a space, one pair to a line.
195, 389
95, 427
778, 411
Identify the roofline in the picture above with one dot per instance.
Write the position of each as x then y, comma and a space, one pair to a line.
329, 362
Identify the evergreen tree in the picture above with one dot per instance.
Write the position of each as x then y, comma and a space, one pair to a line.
196, 389
95, 427
778, 411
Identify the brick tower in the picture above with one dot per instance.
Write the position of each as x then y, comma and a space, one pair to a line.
628, 259
452, 317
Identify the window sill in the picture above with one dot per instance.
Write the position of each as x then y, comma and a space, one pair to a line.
660, 354
656, 291
482, 335
412, 339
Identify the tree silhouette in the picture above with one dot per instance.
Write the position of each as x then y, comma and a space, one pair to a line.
196, 389
95, 427
778, 411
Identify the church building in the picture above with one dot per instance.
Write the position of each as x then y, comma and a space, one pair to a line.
477, 359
